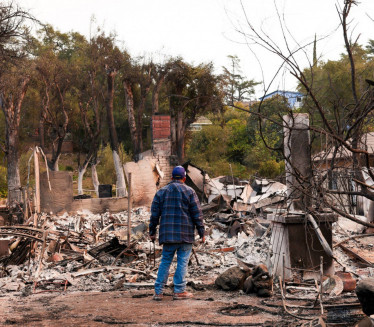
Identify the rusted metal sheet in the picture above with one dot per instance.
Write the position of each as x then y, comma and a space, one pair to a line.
349, 283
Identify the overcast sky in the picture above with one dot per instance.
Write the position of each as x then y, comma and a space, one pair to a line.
206, 30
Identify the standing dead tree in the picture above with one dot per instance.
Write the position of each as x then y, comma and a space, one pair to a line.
14, 81
54, 110
109, 60
13, 87
91, 101
13, 33
341, 114
160, 74
92, 133
137, 76
121, 184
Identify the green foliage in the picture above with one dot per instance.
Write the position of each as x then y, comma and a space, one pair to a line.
207, 146
238, 142
231, 140
331, 84
105, 169
271, 168
66, 168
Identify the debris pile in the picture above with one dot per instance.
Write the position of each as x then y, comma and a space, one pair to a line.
88, 252
242, 195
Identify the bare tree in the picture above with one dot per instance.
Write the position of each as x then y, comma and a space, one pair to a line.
137, 75
121, 184
56, 82
13, 32
341, 112
14, 81
159, 74
13, 87
110, 60
91, 105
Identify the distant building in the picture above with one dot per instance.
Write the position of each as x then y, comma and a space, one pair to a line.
341, 178
198, 124
294, 98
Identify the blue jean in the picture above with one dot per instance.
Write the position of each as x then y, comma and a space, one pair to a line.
183, 255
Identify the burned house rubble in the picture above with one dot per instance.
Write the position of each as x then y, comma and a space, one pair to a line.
266, 260
82, 252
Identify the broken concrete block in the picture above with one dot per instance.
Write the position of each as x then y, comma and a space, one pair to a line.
365, 294
232, 279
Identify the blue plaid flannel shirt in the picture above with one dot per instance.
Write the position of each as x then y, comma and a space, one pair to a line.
177, 210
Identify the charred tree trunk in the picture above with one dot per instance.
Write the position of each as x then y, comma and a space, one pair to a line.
173, 126
131, 116
145, 86
13, 177
121, 184
11, 105
181, 132
140, 120
41, 130
92, 138
81, 172
56, 152
155, 94
61, 130
43, 115
95, 178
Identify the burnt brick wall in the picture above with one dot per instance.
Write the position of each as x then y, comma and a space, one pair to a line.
160, 127
161, 141
161, 145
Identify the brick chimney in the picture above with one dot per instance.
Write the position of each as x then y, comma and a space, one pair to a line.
161, 140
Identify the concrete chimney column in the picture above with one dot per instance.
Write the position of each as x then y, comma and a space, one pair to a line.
298, 160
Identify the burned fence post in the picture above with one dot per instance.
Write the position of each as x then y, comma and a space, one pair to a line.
296, 230
129, 213
37, 181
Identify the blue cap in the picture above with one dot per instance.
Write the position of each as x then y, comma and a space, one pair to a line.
179, 172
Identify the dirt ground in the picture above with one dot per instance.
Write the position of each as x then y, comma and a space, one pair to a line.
136, 308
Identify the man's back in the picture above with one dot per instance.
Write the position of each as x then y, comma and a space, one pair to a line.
177, 209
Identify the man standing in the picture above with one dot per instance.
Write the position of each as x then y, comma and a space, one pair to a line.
176, 209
